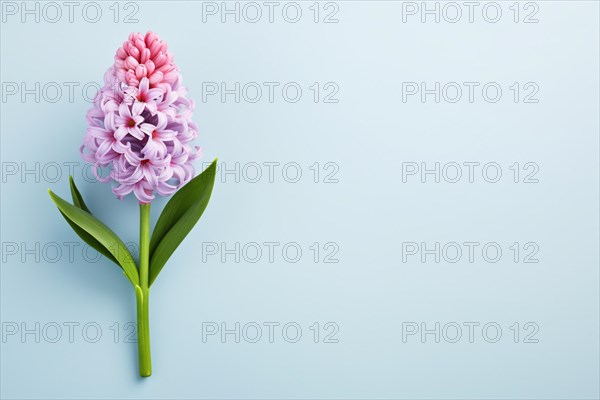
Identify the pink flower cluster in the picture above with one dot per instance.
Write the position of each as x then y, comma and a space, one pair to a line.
140, 125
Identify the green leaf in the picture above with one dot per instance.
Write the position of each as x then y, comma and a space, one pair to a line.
77, 199
179, 217
93, 227
86, 237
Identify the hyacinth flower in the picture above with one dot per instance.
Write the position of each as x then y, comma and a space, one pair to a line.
140, 129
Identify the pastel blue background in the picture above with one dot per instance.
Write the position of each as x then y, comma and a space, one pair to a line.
368, 213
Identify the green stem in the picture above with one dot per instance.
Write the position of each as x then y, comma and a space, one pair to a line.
142, 294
